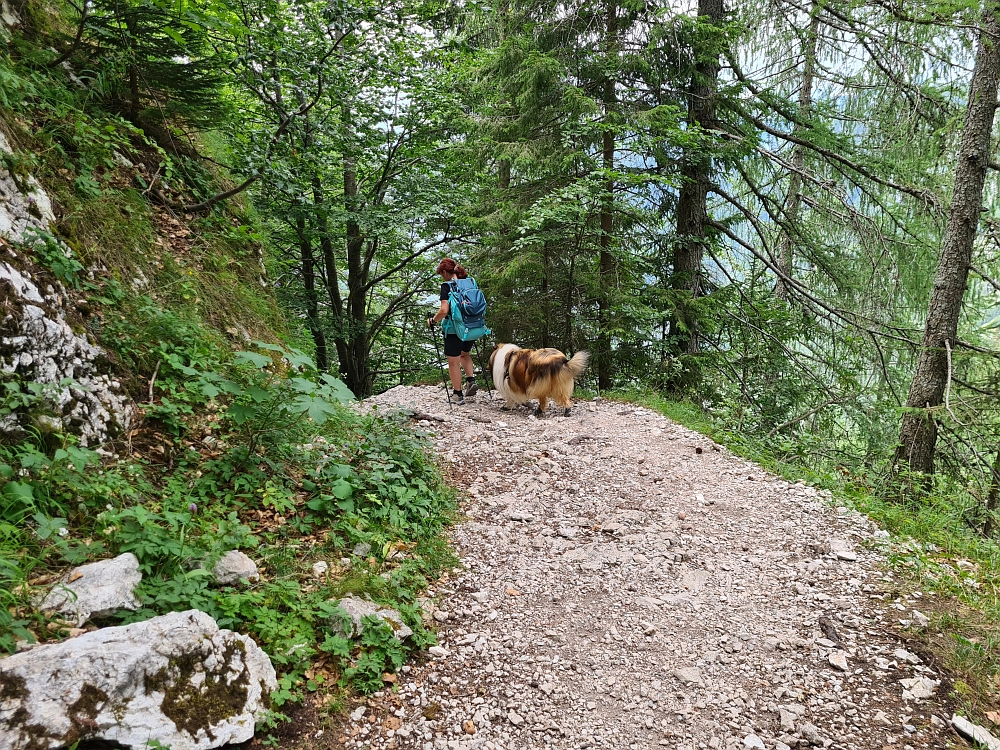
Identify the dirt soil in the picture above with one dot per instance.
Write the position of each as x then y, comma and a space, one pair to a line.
627, 583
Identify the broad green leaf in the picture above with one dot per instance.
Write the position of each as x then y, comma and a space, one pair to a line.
258, 395
340, 391
242, 412
253, 358
342, 489
19, 491
268, 347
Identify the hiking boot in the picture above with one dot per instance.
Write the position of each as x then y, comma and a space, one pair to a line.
471, 389
458, 398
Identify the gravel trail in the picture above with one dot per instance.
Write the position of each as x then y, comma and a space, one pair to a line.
626, 583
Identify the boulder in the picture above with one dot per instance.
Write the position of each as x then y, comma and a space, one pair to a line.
177, 679
976, 734
96, 589
233, 566
357, 609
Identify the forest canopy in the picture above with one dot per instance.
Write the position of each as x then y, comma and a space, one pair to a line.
784, 212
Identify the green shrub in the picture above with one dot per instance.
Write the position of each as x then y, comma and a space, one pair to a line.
283, 445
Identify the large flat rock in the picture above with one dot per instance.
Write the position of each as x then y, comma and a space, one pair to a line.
96, 589
177, 679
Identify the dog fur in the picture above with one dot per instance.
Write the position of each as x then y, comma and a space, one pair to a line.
543, 374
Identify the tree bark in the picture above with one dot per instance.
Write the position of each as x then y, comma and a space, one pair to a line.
331, 277
918, 434
132, 70
794, 200
356, 333
545, 295
312, 298
606, 268
993, 499
568, 307
692, 202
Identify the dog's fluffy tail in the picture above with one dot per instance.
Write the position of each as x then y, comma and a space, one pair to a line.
578, 364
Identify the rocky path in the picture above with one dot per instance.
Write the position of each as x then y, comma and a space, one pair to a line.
626, 583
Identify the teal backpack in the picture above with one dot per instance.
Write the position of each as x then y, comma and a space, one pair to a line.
466, 311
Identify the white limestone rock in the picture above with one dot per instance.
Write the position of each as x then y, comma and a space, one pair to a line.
233, 566
96, 589
843, 549
8, 18
23, 203
37, 342
177, 679
838, 659
689, 675
975, 733
357, 609
918, 688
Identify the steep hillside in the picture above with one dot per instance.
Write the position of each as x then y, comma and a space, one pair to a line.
155, 405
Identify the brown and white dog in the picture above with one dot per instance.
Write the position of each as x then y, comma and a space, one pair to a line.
522, 374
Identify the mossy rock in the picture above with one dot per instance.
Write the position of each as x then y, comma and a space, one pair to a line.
177, 679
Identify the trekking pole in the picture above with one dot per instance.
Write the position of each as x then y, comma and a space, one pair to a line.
487, 376
444, 378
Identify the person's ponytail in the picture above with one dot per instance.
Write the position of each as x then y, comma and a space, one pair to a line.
449, 266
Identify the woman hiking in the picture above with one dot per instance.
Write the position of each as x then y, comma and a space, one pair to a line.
456, 350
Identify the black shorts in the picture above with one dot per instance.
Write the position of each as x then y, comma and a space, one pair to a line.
454, 346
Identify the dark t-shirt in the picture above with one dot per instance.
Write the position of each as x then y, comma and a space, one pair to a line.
445, 291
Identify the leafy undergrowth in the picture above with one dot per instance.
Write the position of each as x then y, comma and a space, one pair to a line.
259, 454
250, 450
934, 548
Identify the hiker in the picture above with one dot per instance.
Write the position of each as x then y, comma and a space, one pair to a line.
455, 349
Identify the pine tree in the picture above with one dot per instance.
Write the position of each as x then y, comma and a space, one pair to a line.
155, 64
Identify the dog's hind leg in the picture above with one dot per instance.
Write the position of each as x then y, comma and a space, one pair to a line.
543, 404
564, 400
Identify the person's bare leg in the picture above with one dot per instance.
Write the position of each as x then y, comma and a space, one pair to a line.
467, 365
455, 372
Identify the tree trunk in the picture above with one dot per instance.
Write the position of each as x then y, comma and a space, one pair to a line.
545, 295
312, 298
993, 499
331, 277
358, 371
794, 200
568, 307
607, 261
132, 70
692, 202
402, 346
918, 434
